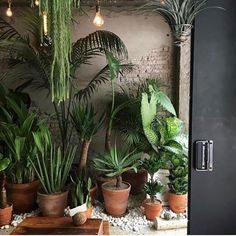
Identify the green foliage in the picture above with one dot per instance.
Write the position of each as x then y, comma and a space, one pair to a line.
80, 191
152, 188
178, 174
152, 164
115, 162
85, 121
17, 125
176, 12
50, 165
4, 163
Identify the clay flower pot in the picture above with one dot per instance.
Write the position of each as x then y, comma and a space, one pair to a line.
152, 210
178, 203
100, 179
116, 200
52, 205
22, 196
5, 215
137, 180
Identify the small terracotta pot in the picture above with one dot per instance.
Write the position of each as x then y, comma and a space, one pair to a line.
89, 212
152, 210
52, 205
100, 181
137, 180
93, 192
5, 215
22, 196
178, 203
116, 201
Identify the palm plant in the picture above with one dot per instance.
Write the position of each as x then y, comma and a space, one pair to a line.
30, 62
179, 14
116, 162
84, 120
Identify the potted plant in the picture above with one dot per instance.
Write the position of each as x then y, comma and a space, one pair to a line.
17, 125
113, 164
81, 199
178, 184
179, 14
52, 169
152, 206
5, 206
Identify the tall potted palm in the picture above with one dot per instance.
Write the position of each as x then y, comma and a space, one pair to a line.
113, 164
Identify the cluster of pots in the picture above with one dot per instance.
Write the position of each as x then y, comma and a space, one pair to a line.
24, 198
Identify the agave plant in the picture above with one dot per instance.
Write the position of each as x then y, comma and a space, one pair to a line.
86, 123
31, 63
116, 162
179, 14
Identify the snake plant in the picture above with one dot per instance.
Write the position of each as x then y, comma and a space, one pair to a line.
51, 165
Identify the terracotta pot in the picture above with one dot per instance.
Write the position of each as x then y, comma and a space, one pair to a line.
22, 196
93, 192
116, 201
137, 180
152, 210
100, 181
52, 205
178, 203
5, 215
89, 212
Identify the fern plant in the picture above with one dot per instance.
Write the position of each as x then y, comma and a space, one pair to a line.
179, 14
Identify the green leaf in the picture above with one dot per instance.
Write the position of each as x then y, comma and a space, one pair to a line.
114, 65
4, 163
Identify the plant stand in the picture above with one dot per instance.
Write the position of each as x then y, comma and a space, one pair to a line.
60, 226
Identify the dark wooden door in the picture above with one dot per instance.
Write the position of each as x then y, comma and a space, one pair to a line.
212, 195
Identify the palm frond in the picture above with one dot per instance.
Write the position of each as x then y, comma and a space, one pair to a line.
100, 78
7, 31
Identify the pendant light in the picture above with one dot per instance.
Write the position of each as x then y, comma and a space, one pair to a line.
98, 19
9, 11
36, 2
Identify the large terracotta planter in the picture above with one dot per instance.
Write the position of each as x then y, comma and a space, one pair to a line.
100, 179
5, 216
52, 205
116, 201
137, 180
22, 196
178, 203
152, 210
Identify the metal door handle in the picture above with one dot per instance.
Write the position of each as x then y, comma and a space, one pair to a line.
203, 155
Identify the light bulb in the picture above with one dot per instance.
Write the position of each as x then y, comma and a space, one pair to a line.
98, 19
9, 12
45, 23
36, 2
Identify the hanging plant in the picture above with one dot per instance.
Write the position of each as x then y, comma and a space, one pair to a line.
179, 14
56, 16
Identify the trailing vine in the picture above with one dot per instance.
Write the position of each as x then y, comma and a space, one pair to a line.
56, 18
